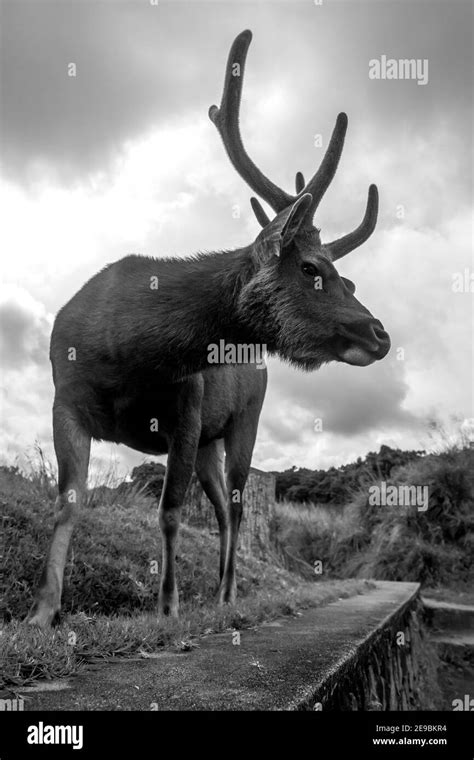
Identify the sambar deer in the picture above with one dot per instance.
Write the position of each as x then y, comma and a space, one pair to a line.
125, 354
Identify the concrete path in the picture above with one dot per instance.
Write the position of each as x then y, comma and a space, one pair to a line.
279, 666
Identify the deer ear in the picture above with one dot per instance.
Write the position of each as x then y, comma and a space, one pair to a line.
281, 230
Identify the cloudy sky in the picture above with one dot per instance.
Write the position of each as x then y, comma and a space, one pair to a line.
123, 158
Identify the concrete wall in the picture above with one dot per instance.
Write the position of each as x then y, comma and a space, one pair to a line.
392, 670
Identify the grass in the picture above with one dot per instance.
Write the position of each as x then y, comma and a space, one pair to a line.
114, 565
112, 574
30, 654
435, 548
111, 584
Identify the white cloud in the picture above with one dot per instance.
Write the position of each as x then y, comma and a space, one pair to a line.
170, 189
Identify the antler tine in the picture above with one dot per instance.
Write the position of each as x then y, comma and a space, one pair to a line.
347, 243
299, 182
226, 119
320, 182
259, 212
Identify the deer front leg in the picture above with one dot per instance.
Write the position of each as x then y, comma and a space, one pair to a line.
181, 458
72, 446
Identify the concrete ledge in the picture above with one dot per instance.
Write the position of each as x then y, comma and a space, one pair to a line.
338, 655
453, 629
449, 616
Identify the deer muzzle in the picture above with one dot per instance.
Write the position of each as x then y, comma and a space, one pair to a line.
362, 343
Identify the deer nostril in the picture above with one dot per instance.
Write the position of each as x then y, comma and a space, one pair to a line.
382, 338
379, 332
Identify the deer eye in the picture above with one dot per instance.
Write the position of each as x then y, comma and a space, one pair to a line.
309, 269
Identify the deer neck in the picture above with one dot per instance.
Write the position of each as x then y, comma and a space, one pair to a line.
200, 308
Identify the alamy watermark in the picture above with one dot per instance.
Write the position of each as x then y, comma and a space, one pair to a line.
384, 495
402, 68
463, 282
12, 705
466, 704
237, 353
49, 734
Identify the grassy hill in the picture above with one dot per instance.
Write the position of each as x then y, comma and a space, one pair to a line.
111, 582
112, 573
359, 539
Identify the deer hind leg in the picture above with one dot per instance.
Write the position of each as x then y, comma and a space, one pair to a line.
210, 471
72, 446
239, 443
182, 450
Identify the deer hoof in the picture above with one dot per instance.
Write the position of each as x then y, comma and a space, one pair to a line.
42, 618
168, 608
226, 596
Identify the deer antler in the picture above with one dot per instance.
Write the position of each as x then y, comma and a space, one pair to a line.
259, 212
347, 243
226, 119
299, 182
